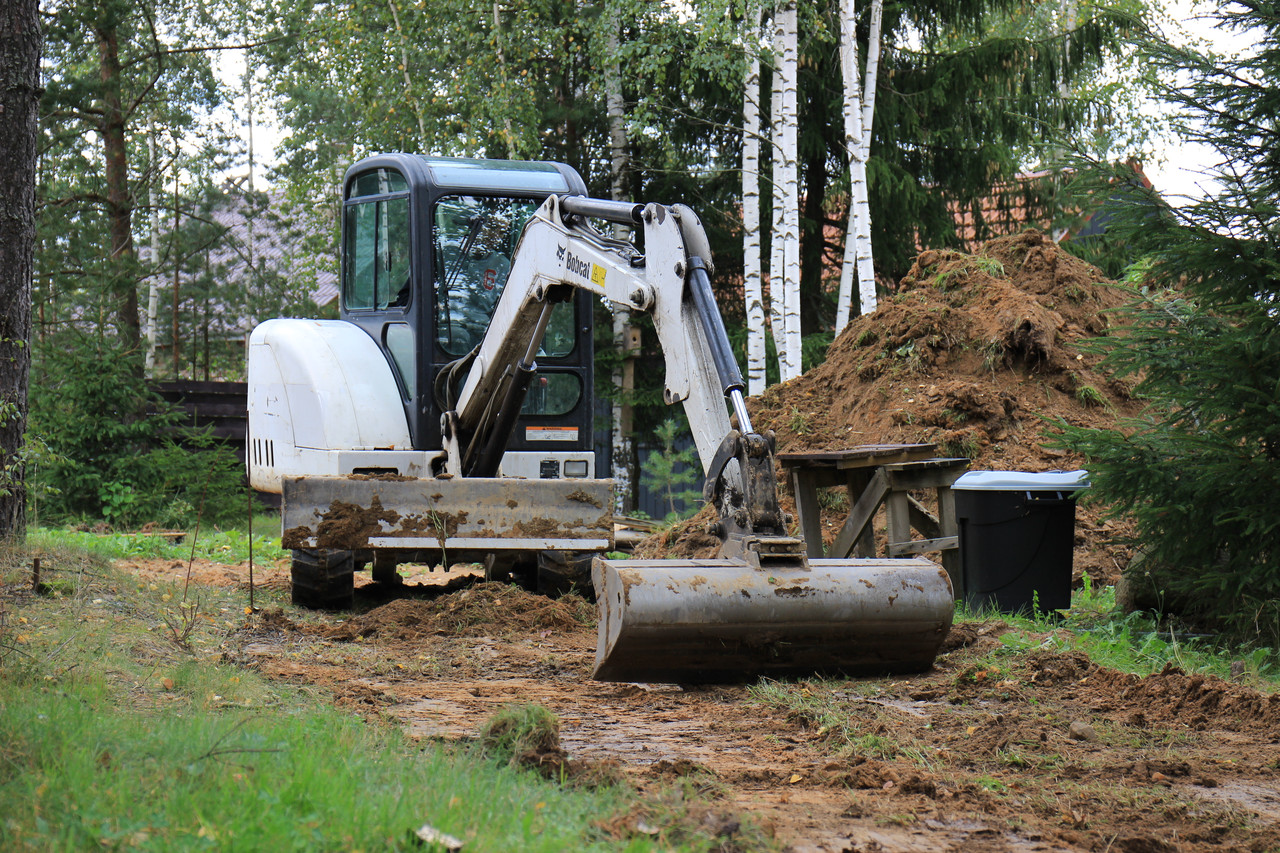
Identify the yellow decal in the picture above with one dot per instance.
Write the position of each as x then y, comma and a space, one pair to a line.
597, 275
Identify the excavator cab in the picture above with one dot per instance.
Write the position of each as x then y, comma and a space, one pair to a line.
427, 244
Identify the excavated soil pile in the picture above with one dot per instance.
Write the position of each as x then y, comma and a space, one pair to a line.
471, 612
979, 354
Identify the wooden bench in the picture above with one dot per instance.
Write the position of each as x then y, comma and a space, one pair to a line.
875, 475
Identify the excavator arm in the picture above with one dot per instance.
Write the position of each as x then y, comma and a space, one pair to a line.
559, 251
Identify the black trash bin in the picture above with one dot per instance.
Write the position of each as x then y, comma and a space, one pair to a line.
1017, 532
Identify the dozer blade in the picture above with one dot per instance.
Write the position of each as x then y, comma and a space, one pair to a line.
691, 621
463, 513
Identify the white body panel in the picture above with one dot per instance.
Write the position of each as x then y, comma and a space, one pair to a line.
323, 400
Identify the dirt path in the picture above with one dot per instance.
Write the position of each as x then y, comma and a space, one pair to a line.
999, 747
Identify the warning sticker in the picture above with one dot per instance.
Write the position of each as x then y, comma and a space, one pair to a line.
597, 275
550, 433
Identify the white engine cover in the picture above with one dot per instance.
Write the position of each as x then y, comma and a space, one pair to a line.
323, 400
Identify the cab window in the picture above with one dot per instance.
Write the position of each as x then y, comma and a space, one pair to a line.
375, 273
475, 238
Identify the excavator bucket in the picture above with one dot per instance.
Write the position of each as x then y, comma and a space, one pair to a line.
691, 621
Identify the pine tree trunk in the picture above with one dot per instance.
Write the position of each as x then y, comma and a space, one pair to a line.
119, 197
751, 249
20, 43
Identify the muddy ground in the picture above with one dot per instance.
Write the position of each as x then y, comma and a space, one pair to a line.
998, 747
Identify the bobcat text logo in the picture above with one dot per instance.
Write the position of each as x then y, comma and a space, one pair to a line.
579, 266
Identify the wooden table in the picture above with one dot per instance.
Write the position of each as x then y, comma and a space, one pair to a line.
876, 474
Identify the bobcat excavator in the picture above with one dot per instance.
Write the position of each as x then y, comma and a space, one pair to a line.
447, 418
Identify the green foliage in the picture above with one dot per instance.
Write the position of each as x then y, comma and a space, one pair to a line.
813, 348
1091, 397
1200, 469
675, 474
117, 452
116, 734
201, 768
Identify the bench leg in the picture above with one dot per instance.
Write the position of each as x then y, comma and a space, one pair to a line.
898, 508
805, 486
949, 527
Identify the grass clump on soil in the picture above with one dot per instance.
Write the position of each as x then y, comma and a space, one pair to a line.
516, 731
117, 732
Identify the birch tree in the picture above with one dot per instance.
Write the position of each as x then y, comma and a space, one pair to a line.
753, 285
623, 455
776, 196
859, 109
786, 287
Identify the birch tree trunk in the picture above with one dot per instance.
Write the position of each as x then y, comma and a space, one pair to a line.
153, 279
404, 68
776, 285
751, 250
859, 110
788, 184
623, 452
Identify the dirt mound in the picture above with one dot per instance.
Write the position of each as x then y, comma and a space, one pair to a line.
972, 352
979, 354
688, 540
486, 608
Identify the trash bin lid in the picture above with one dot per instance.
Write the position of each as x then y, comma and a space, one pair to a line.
1023, 481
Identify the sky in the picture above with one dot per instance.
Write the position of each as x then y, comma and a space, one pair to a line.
1178, 169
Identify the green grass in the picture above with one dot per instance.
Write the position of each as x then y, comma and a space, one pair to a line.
296, 778
1134, 642
122, 726
222, 546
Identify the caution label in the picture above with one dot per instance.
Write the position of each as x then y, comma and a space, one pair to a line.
550, 433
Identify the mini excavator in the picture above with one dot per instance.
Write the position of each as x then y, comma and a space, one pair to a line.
446, 417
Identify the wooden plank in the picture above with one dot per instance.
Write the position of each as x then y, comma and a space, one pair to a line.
861, 452
924, 546
929, 474
922, 519
856, 482
948, 526
896, 508
860, 516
